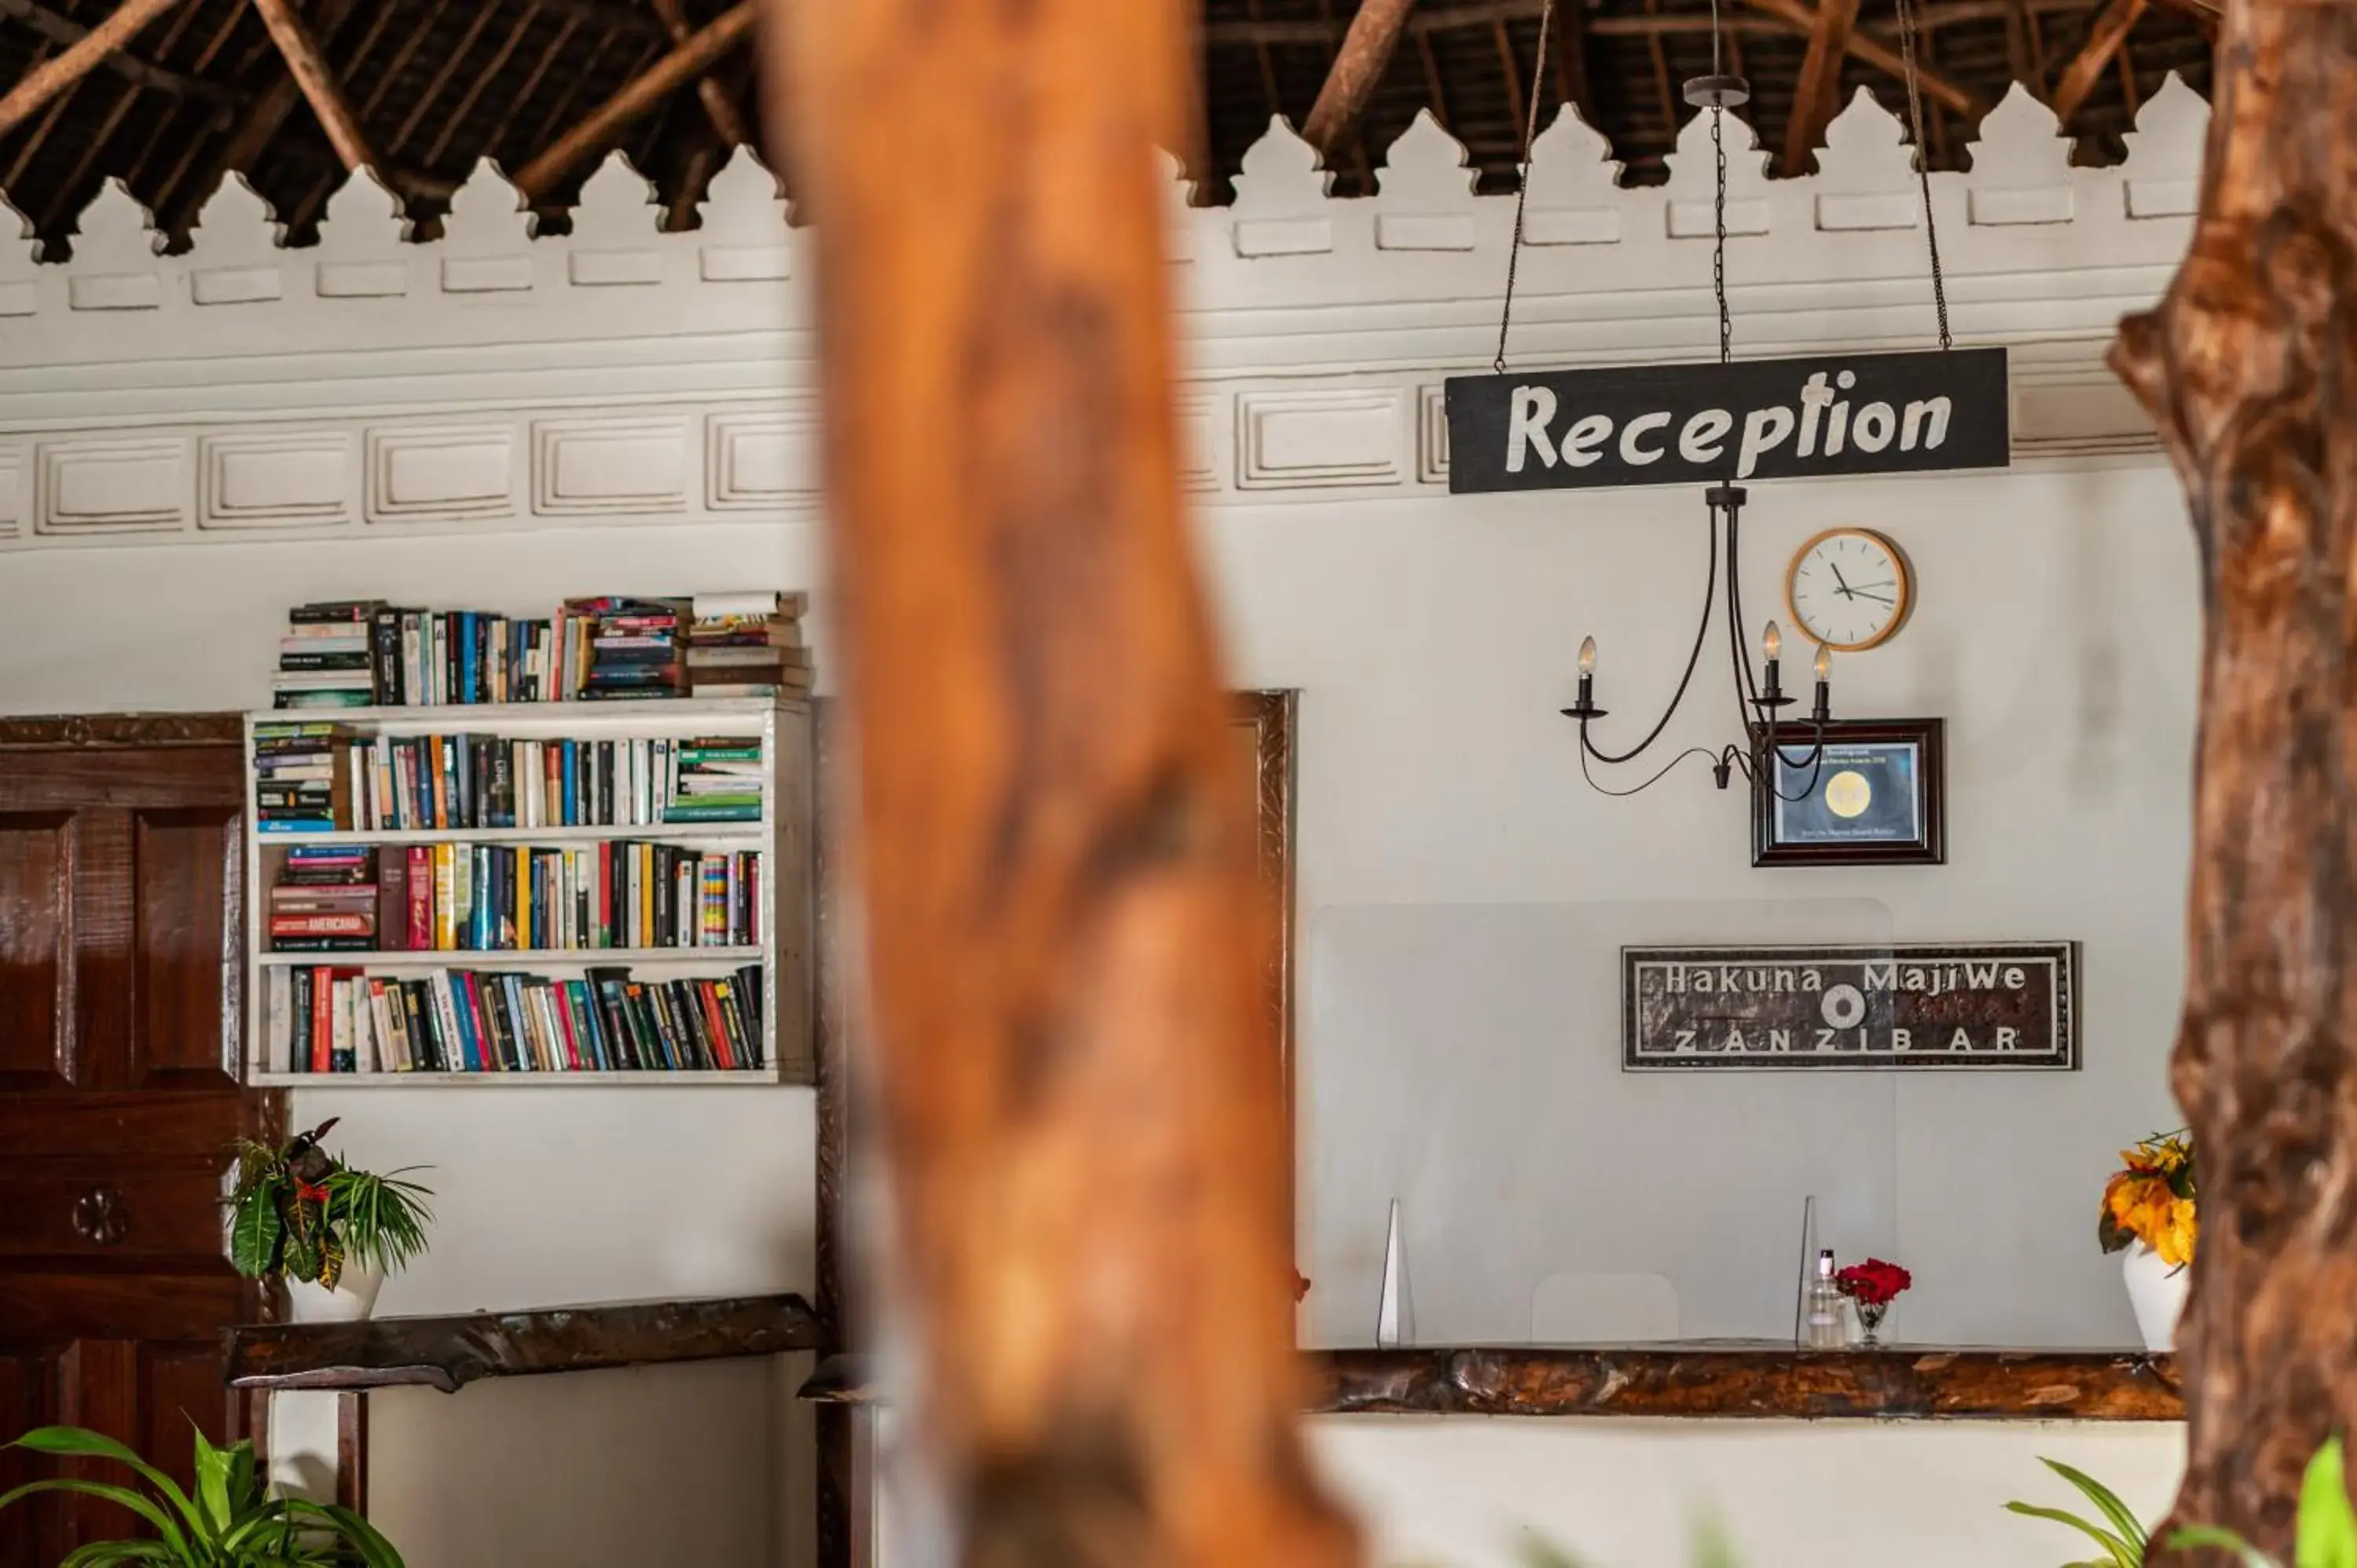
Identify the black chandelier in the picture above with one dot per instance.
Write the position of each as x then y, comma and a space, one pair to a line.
1759, 702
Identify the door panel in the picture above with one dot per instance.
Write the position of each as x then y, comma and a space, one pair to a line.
35, 947
185, 951
120, 938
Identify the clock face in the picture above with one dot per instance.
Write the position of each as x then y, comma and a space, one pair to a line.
1849, 589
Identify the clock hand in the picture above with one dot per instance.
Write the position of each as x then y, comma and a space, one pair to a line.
1883, 599
1845, 592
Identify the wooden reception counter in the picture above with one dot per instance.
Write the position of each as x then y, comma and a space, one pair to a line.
1760, 1381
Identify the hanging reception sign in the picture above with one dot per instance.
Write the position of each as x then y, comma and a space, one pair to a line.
1707, 423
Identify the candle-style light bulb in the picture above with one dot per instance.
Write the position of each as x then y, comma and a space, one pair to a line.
1774, 641
1825, 662
1588, 656
1824, 704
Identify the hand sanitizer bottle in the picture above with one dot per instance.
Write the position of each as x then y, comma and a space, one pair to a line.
1825, 1325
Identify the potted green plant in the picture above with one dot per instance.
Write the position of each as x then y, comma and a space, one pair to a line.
231, 1522
333, 1231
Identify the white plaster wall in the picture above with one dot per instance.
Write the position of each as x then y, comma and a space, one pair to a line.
2056, 632
1469, 1492
1480, 1492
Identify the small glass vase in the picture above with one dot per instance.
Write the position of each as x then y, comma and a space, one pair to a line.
1871, 1314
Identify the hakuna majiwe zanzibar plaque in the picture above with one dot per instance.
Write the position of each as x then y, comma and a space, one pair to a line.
2004, 1007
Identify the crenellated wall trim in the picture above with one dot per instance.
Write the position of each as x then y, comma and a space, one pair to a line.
497, 378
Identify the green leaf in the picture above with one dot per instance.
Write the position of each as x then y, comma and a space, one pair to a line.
213, 1510
2107, 1502
121, 1495
81, 1443
2225, 1540
112, 1553
373, 1548
2121, 1553
2327, 1529
254, 1235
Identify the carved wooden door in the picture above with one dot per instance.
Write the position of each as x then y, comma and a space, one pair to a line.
120, 943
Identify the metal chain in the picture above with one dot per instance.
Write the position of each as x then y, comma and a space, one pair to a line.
1523, 184
1923, 165
1719, 221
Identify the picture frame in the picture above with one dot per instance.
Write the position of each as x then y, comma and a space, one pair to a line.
1879, 797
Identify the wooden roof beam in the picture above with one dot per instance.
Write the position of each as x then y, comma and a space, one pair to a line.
54, 75
2104, 40
1884, 59
1358, 70
311, 73
728, 120
1817, 97
684, 64
63, 29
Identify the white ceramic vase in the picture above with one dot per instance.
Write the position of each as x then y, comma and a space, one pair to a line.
2157, 1293
353, 1298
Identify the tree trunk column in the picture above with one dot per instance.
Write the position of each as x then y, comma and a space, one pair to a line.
1078, 1089
2249, 366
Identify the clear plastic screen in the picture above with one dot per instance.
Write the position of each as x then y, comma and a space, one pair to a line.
1466, 1060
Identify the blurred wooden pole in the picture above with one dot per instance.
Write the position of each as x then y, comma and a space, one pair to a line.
1078, 1089
2249, 367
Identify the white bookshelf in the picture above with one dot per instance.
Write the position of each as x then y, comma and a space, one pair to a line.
781, 838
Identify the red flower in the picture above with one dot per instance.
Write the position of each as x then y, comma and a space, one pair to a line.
1873, 1281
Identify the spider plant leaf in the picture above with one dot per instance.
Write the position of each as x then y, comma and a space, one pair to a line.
115, 1554
2107, 1502
2327, 1528
2122, 1554
81, 1443
366, 1542
2196, 1535
123, 1497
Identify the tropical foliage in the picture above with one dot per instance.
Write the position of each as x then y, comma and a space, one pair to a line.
2326, 1535
2151, 1199
231, 1522
300, 1212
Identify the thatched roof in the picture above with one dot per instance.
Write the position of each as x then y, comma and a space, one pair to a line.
437, 84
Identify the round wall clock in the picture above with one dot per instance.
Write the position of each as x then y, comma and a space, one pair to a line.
1849, 589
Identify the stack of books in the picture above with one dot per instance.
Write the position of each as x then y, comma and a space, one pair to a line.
324, 660
471, 780
632, 648
302, 777
325, 900
439, 658
509, 897
716, 778
748, 645
329, 1019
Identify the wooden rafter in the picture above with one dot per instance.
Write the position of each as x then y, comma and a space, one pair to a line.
1660, 60
1571, 56
684, 64
457, 118
1817, 96
1431, 18
2086, 67
1512, 72
62, 29
311, 73
452, 60
1883, 58
1358, 68
1069, 1032
720, 108
52, 76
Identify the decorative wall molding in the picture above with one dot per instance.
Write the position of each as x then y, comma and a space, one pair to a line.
499, 378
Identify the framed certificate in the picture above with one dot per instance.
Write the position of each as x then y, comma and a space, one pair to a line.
1877, 798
